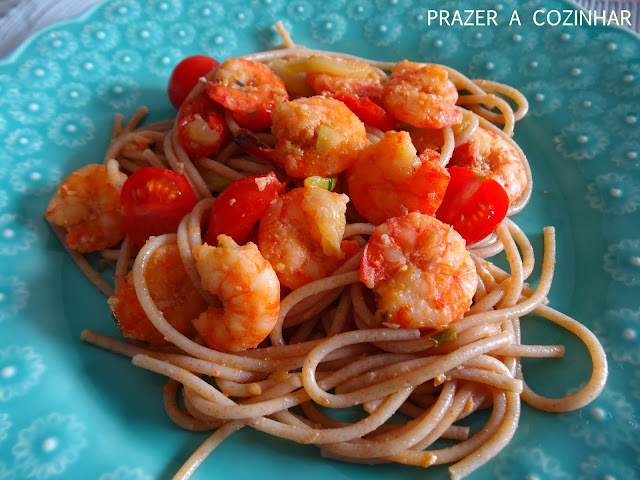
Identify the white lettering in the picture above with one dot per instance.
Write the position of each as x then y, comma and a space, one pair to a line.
535, 18
431, 15
444, 17
491, 18
596, 17
456, 18
613, 18
624, 17
515, 18
469, 22
567, 19
585, 16
558, 18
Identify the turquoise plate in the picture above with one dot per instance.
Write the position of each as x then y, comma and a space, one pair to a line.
69, 410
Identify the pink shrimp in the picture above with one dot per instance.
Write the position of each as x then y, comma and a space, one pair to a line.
333, 75
248, 288
421, 95
301, 235
316, 136
87, 206
421, 272
488, 154
173, 293
389, 179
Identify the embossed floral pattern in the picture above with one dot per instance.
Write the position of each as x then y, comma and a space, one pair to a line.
35, 177
218, 41
533, 463
606, 467
614, 193
13, 297
20, 370
360, 10
328, 28
619, 331
16, 234
622, 262
581, 140
544, 97
626, 155
49, 446
437, 45
118, 92
57, 44
31, 108
5, 424
126, 473
609, 422
383, 31
73, 129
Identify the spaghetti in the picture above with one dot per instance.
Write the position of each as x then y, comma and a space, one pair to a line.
327, 348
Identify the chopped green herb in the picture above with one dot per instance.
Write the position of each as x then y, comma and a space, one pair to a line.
444, 336
238, 82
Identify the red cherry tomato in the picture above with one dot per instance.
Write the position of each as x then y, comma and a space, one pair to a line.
185, 76
202, 129
366, 110
241, 205
473, 205
154, 201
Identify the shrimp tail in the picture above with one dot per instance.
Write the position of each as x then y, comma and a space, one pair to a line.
251, 144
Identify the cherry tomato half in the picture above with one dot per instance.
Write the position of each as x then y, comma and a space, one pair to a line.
185, 76
154, 201
473, 205
241, 205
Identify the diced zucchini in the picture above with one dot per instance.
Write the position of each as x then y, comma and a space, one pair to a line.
328, 138
323, 64
445, 335
328, 183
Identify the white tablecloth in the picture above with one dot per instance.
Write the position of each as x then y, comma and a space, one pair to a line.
21, 18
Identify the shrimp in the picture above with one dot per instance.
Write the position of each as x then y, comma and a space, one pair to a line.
421, 95
87, 206
171, 290
249, 291
424, 138
421, 272
250, 90
316, 136
301, 235
333, 75
488, 154
389, 179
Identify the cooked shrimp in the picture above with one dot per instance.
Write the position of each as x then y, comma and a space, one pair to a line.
316, 136
333, 74
301, 235
488, 154
423, 138
251, 90
171, 290
87, 206
249, 291
389, 179
421, 272
421, 95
